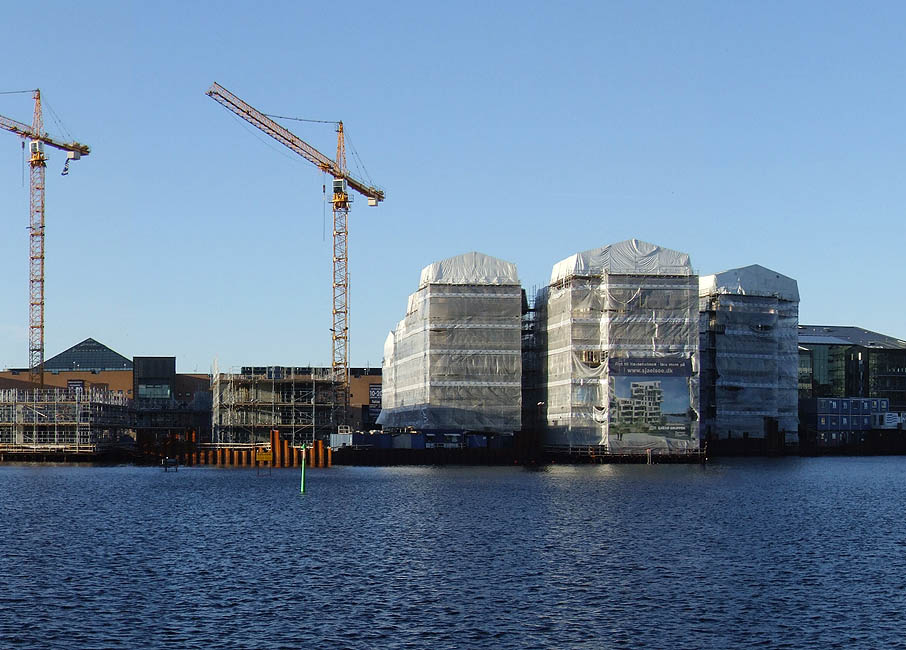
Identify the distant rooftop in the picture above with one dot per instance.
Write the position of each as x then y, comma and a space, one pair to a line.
632, 257
87, 356
752, 280
847, 335
469, 268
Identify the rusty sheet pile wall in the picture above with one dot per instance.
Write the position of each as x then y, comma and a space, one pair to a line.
750, 354
619, 350
454, 362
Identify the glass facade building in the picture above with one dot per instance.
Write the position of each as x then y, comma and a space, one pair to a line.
851, 362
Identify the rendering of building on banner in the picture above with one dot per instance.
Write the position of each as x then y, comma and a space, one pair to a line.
618, 346
454, 362
749, 348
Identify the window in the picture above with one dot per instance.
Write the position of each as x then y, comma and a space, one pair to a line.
153, 391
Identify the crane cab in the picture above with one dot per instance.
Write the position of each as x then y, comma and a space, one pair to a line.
35, 147
339, 186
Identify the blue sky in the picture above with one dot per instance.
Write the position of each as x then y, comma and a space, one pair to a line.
741, 133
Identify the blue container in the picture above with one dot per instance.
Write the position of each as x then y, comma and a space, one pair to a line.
883, 405
866, 422
866, 407
834, 422
823, 422
874, 406
845, 423
855, 407
824, 405
476, 441
845, 407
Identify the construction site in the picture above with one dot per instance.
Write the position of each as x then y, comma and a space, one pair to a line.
625, 354
299, 402
59, 421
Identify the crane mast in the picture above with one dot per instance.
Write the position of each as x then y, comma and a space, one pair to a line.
340, 201
38, 163
340, 329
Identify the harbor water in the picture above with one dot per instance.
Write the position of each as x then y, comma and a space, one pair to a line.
780, 553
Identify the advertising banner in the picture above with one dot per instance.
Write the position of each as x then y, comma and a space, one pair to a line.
650, 367
650, 396
374, 400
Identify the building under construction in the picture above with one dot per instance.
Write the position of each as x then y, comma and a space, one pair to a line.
749, 346
61, 419
617, 332
454, 363
299, 402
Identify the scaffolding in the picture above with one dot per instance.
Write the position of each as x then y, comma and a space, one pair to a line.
61, 419
749, 332
618, 331
454, 362
299, 402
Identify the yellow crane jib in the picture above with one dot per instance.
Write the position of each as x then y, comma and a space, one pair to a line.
37, 138
340, 205
291, 140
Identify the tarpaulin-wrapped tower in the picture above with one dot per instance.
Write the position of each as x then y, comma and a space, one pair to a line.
619, 350
750, 354
454, 362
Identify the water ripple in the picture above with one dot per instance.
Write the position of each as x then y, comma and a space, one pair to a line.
782, 554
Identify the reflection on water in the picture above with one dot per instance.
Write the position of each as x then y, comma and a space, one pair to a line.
783, 553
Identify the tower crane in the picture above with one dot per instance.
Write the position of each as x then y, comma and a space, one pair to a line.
340, 201
37, 138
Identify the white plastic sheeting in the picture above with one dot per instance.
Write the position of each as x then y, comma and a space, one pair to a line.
470, 268
753, 280
619, 346
454, 362
632, 257
750, 361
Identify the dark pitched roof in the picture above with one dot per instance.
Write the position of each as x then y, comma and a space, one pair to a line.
88, 355
847, 335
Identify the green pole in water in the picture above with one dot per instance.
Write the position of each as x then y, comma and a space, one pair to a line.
302, 486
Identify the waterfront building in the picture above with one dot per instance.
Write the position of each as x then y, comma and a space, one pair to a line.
299, 402
748, 328
92, 395
837, 361
617, 340
454, 362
